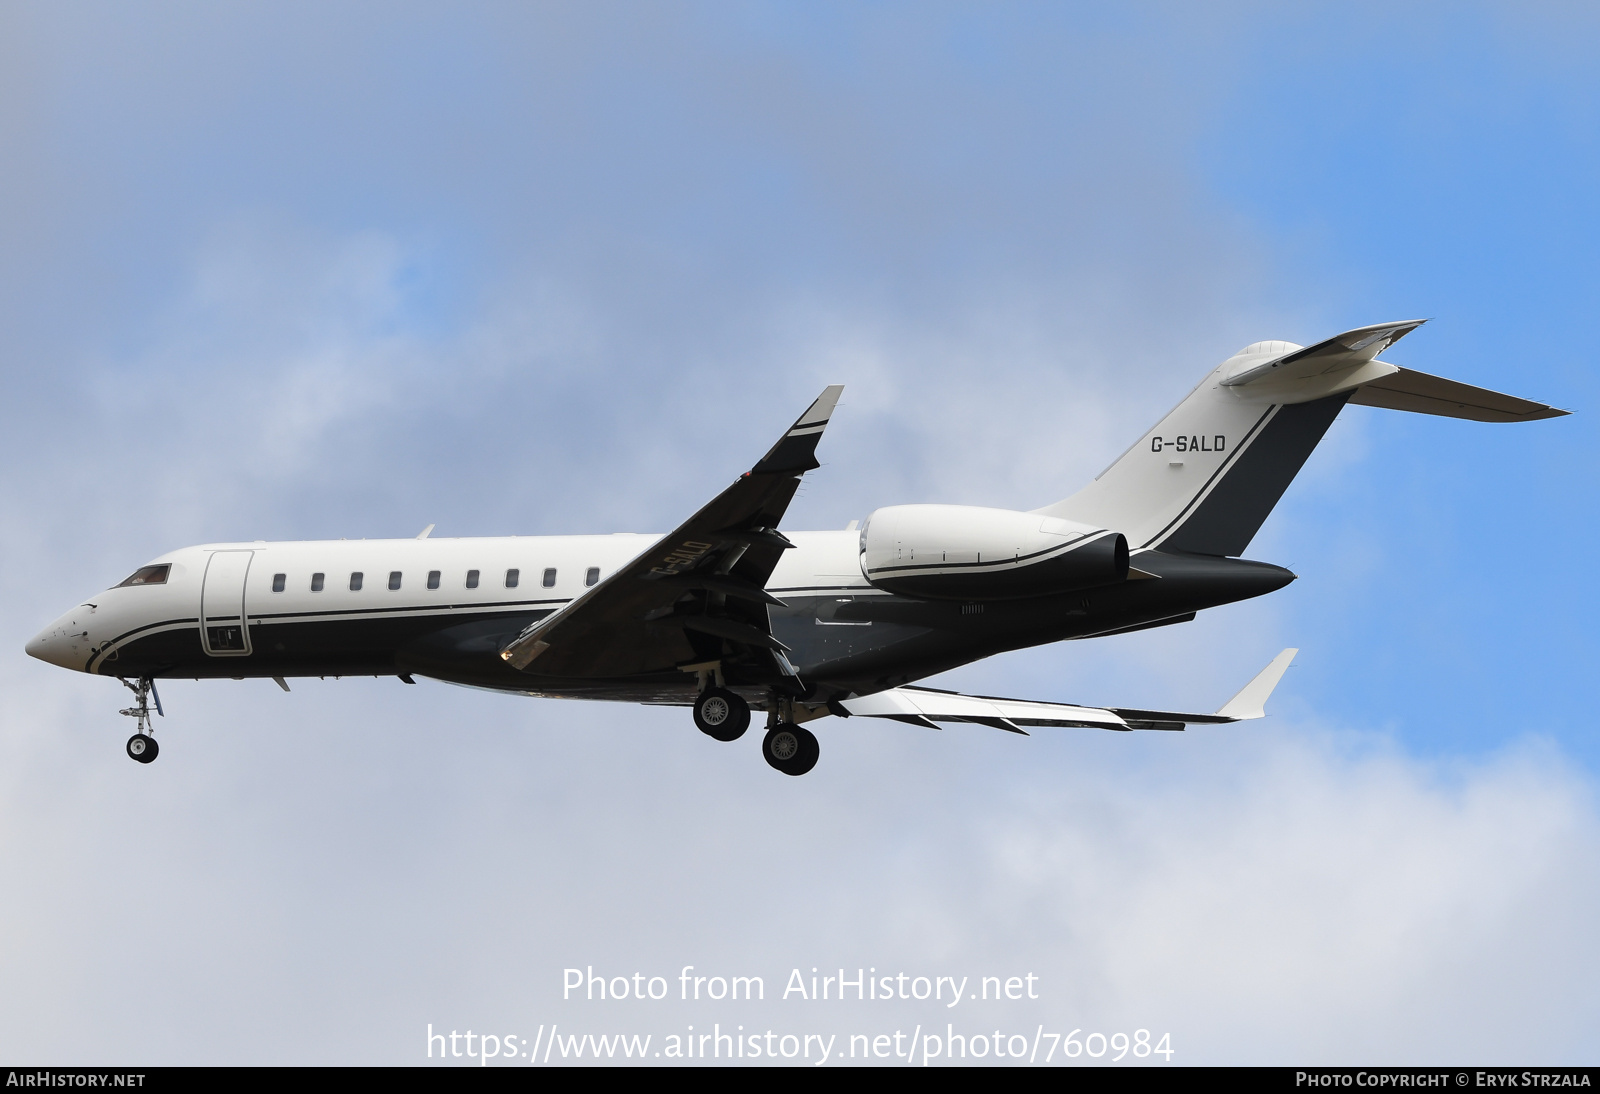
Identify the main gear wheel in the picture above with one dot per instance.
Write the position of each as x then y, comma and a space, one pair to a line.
721, 714
791, 749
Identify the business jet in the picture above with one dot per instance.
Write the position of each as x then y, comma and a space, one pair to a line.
729, 614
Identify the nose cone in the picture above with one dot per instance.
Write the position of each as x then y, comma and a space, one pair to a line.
61, 643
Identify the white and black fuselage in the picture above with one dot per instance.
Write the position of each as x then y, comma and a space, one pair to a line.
445, 608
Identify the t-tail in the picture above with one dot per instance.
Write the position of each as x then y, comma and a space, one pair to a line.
1204, 479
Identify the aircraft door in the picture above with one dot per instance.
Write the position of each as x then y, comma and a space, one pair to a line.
223, 626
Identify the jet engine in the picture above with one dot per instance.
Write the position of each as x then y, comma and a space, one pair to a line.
965, 552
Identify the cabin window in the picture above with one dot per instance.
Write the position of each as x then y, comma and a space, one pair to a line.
472, 579
316, 582
512, 577
394, 579
592, 576
278, 581
433, 579
550, 578
355, 582
148, 575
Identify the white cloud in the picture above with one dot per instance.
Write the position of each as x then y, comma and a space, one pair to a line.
316, 876
1327, 901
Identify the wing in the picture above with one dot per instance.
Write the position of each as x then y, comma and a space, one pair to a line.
697, 595
925, 706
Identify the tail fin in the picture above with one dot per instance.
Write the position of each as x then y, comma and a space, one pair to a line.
1204, 479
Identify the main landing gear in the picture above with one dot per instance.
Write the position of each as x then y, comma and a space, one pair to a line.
791, 749
721, 714
142, 746
787, 747
725, 715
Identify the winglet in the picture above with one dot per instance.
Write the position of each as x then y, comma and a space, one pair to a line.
797, 449
1252, 698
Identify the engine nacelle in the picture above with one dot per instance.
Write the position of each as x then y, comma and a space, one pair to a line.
964, 552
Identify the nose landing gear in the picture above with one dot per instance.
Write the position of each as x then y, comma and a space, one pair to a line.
142, 746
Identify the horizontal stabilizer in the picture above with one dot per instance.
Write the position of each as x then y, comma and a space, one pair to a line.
924, 706
1421, 393
1342, 351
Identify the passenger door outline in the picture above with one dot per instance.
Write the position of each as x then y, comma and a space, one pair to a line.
224, 627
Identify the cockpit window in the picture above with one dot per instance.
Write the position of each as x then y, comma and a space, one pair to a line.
148, 575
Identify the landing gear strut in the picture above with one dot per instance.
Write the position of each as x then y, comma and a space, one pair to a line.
721, 714
142, 746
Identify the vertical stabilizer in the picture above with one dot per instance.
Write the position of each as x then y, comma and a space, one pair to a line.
1204, 479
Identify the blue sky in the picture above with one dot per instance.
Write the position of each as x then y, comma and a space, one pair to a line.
1450, 182
299, 272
